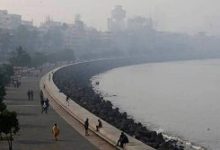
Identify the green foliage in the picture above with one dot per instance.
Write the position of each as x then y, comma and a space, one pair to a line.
2, 93
2, 107
64, 55
20, 58
38, 59
9, 125
6, 71
9, 122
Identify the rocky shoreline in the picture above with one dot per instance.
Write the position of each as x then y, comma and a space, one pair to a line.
75, 81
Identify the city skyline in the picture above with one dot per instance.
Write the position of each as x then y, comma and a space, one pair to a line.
170, 15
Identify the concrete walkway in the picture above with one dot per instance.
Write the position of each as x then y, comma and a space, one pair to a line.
35, 132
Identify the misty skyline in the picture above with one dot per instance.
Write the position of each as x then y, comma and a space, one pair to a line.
168, 15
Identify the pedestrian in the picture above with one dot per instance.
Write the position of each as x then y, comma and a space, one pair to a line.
47, 105
44, 107
86, 126
123, 139
67, 99
99, 125
55, 131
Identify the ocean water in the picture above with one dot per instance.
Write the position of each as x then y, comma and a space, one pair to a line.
181, 99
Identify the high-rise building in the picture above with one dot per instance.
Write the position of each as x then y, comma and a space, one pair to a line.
9, 21
117, 21
140, 23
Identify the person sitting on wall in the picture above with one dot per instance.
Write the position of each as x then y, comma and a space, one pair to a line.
99, 125
123, 139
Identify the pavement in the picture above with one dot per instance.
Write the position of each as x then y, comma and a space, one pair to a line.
35, 128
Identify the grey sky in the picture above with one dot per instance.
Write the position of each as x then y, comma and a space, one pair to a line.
172, 15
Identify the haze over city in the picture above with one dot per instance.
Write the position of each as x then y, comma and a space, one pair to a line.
190, 16
129, 74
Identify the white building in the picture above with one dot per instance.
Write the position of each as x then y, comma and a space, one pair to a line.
117, 21
9, 21
48, 24
27, 23
139, 23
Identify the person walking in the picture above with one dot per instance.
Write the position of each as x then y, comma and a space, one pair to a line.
99, 125
123, 139
47, 105
67, 100
86, 126
55, 131
44, 107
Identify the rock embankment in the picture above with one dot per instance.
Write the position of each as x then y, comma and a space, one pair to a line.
75, 81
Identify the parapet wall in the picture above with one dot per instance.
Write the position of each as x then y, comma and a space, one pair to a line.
107, 132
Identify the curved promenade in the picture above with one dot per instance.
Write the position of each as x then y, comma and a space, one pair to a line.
109, 133
35, 127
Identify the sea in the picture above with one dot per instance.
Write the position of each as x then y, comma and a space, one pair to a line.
181, 99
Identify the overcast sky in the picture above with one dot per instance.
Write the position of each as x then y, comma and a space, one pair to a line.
189, 16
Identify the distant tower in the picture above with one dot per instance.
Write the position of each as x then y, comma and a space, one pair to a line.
48, 19
78, 23
117, 21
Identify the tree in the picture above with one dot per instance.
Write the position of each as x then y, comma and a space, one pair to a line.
38, 59
2, 90
9, 125
63, 55
8, 120
2, 94
6, 71
20, 57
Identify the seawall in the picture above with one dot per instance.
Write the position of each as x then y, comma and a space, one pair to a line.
108, 132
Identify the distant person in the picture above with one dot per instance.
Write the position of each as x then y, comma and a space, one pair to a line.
86, 126
55, 131
123, 139
99, 125
47, 105
44, 107
67, 100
